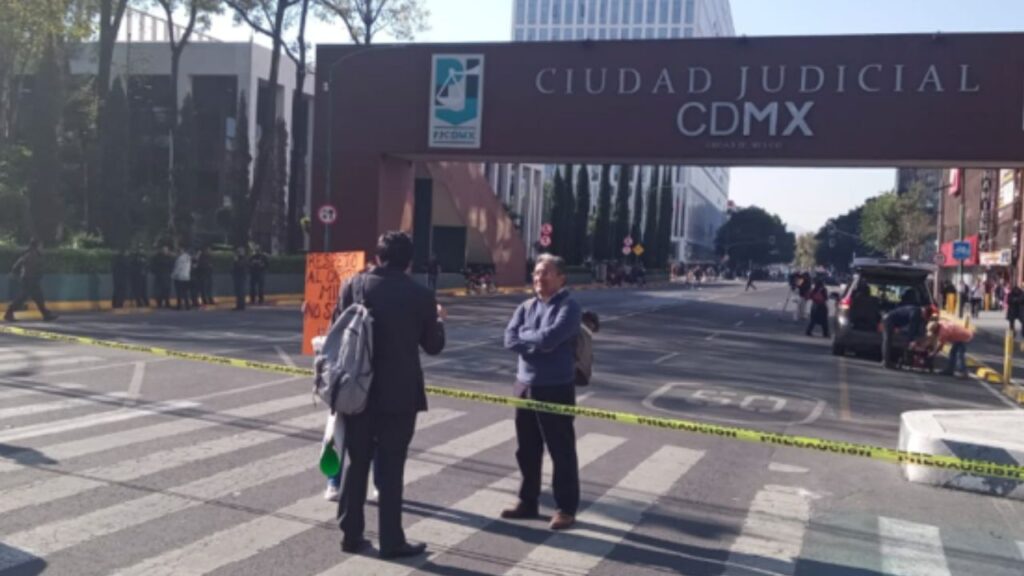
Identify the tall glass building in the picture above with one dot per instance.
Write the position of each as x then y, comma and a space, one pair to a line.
701, 194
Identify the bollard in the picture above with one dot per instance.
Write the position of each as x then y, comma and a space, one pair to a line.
1008, 360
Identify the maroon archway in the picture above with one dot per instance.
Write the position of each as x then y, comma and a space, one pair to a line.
901, 100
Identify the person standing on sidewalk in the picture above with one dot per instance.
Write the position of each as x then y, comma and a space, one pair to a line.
182, 276
204, 271
29, 268
257, 275
819, 308
543, 331
1014, 303
977, 294
162, 265
139, 270
239, 269
120, 276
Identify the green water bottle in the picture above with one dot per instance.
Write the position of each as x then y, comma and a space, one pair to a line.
330, 464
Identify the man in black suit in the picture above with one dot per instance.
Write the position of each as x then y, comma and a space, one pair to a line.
406, 317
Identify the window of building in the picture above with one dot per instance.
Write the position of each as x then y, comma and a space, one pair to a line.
520, 36
663, 12
650, 33
601, 34
567, 33
652, 7
520, 12
581, 33
543, 34
556, 12
625, 34
638, 33
531, 35
616, 7
689, 32
581, 13
592, 11
602, 11
662, 32
545, 10
690, 8
638, 11
627, 7
556, 34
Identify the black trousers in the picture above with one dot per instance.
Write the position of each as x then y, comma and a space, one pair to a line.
140, 291
163, 292
537, 430
207, 289
239, 282
181, 292
120, 290
28, 290
381, 439
819, 317
256, 284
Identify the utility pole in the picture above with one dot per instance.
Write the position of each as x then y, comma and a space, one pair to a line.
961, 190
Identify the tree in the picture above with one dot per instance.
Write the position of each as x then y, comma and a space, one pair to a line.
664, 240
880, 224
364, 19
636, 229
186, 167
300, 114
752, 236
197, 14
116, 204
279, 189
603, 226
47, 105
621, 219
558, 210
651, 220
270, 18
581, 222
839, 240
806, 251
238, 178
111, 16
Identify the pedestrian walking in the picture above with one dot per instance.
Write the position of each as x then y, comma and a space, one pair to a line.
239, 270
406, 318
204, 271
1014, 307
750, 281
911, 319
120, 274
162, 265
543, 331
28, 268
819, 308
139, 270
257, 275
182, 276
433, 271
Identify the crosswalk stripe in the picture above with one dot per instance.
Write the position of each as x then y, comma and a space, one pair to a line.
248, 539
28, 354
121, 439
911, 549
82, 422
46, 363
476, 512
44, 407
773, 532
607, 521
44, 390
1020, 546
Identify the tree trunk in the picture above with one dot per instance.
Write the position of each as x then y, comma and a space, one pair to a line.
297, 162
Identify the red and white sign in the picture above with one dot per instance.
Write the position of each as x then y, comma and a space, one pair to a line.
545, 241
546, 230
626, 250
628, 241
327, 214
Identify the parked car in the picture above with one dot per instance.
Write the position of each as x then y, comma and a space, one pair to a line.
878, 286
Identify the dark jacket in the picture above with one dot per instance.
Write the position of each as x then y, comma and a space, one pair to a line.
29, 267
1013, 303
404, 320
544, 336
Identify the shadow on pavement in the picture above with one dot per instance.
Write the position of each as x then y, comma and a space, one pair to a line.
25, 456
23, 563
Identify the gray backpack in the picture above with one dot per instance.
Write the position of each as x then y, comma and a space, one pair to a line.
344, 363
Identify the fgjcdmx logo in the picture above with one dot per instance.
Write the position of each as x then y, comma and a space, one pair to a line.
456, 101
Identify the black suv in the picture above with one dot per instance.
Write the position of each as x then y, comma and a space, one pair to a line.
878, 286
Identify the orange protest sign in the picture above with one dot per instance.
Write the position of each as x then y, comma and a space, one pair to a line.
325, 273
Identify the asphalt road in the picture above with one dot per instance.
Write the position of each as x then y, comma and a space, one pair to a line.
114, 462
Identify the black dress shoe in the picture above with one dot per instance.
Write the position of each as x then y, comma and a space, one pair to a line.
354, 546
404, 551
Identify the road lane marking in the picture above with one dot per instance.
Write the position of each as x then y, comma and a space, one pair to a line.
267, 531
773, 532
110, 417
666, 357
712, 336
608, 521
1020, 546
284, 356
738, 324
787, 468
77, 402
471, 515
27, 355
44, 389
757, 314
911, 549
844, 392
34, 364
135, 386
583, 397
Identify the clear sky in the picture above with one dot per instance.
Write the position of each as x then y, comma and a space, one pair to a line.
804, 198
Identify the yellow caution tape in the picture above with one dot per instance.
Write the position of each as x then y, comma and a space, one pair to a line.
950, 463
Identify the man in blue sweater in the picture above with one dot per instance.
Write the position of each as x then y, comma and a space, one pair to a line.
543, 332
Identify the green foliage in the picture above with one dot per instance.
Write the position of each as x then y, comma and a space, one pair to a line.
603, 225
621, 221
880, 225
581, 224
365, 19
238, 178
753, 236
185, 189
840, 239
45, 206
116, 205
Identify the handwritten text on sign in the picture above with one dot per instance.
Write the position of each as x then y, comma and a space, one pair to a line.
325, 273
